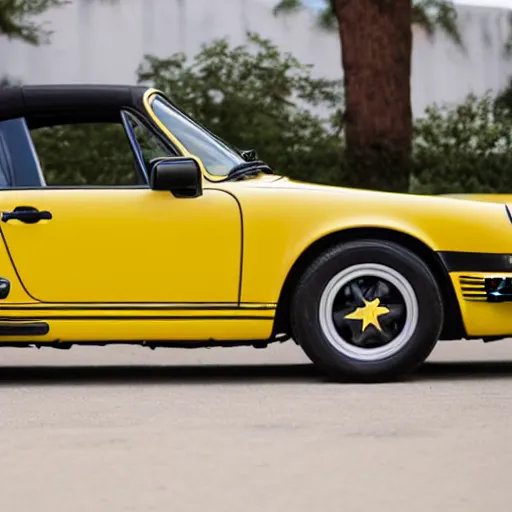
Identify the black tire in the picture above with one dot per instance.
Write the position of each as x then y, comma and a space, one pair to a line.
421, 322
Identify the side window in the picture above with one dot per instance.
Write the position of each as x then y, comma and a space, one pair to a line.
88, 154
150, 146
5, 164
19, 166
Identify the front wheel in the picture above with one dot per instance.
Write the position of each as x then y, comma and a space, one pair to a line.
367, 311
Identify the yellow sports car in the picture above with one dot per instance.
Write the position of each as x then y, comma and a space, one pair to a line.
210, 248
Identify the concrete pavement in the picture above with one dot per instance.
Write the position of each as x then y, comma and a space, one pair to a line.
129, 429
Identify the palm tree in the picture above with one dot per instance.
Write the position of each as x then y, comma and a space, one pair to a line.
376, 44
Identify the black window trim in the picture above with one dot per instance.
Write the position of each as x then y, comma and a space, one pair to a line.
140, 118
132, 139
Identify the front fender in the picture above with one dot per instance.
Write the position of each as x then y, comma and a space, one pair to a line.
281, 223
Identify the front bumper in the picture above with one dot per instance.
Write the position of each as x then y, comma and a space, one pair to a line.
483, 286
485, 301
480, 276
491, 289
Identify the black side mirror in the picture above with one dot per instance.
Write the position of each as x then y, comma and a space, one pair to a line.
181, 176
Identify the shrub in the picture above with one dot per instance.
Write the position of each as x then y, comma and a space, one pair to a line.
465, 148
255, 96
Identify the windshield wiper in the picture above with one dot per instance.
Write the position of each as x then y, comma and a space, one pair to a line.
250, 155
248, 168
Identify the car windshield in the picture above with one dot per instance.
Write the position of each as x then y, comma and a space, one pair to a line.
216, 156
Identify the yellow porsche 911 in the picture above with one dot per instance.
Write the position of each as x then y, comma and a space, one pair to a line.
208, 247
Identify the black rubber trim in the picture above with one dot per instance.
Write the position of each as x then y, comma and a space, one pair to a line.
139, 308
24, 329
130, 317
509, 214
242, 241
475, 261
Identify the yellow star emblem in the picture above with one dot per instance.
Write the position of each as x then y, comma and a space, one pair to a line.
369, 314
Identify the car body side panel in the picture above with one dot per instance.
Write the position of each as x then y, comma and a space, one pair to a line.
126, 246
131, 326
282, 219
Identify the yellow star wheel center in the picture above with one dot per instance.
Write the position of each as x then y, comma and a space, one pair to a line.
369, 314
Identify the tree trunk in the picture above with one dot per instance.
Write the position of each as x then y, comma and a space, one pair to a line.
376, 45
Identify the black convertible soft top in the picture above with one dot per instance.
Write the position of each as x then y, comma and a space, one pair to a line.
70, 103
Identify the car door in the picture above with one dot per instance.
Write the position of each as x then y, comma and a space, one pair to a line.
123, 244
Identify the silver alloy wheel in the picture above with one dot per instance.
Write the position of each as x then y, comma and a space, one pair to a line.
351, 274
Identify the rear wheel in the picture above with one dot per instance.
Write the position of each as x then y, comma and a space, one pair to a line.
367, 311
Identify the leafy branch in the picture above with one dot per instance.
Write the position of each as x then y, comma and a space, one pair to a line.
429, 14
16, 19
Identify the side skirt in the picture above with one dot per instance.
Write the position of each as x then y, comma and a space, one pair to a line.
259, 344
147, 324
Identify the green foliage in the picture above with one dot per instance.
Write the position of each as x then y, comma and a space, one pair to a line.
504, 98
93, 154
437, 14
17, 19
7, 81
88, 154
430, 14
251, 95
254, 96
508, 42
464, 149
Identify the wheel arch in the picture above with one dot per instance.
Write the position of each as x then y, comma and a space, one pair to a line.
453, 327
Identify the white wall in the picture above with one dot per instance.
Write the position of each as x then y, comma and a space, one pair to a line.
104, 41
